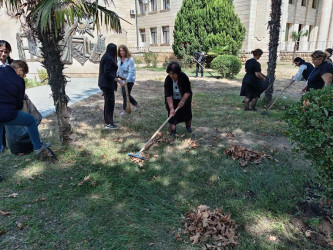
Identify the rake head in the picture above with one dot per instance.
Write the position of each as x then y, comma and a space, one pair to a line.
137, 155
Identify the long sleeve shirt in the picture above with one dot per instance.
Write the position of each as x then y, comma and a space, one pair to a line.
127, 69
299, 76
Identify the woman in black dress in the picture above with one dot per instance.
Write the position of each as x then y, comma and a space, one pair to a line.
177, 90
322, 74
252, 85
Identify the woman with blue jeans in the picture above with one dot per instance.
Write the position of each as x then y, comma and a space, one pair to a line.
126, 71
12, 88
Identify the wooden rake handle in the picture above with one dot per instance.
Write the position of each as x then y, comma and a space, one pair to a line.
157, 131
277, 97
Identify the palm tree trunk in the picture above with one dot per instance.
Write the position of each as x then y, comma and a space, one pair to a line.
54, 67
274, 32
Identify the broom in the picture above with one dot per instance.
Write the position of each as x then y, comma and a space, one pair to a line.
128, 104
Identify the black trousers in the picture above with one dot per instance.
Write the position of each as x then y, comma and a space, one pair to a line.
132, 100
197, 70
109, 102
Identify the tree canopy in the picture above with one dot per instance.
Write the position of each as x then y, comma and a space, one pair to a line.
202, 25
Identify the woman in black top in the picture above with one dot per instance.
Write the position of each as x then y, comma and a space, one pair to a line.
177, 90
322, 74
107, 81
252, 85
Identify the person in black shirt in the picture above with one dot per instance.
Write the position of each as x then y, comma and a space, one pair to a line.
322, 74
253, 81
177, 92
304, 71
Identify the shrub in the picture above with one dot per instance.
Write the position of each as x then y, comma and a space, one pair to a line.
206, 24
166, 62
150, 58
137, 60
227, 65
310, 127
43, 76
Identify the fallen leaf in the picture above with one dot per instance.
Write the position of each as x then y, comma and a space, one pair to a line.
85, 242
31, 178
3, 231
195, 239
272, 238
19, 225
13, 195
4, 212
87, 178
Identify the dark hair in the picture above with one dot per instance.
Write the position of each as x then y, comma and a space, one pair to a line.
124, 47
111, 50
20, 64
299, 59
8, 47
257, 52
329, 50
319, 54
174, 67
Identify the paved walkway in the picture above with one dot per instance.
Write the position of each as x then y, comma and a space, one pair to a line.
77, 89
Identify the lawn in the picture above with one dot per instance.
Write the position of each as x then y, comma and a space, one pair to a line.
94, 197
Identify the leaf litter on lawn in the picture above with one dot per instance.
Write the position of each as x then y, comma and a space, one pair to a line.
215, 229
246, 155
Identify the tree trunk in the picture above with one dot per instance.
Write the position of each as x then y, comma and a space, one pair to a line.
54, 67
274, 32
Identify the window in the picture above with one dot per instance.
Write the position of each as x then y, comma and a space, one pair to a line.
153, 5
153, 35
142, 7
286, 38
291, 1
166, 35
310, 30
314, 4
142, 35
166, 4
303, 3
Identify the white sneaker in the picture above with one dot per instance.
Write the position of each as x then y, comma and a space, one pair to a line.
137, 106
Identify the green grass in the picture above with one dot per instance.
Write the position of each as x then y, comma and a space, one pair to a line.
141, 208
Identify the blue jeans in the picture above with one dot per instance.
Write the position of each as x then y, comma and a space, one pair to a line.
24, 119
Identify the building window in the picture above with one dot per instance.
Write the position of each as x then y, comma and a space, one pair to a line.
142, 35
153, 5
303, 3
314, 4
291, 1
153, 35
142, 7
286, 38
310, 30
166, 4
166, 35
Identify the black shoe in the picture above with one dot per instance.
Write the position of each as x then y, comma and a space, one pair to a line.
111, 127
1, 178
173, 133
189, 130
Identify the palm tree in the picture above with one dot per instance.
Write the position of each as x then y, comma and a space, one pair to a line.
45, 20
274, 31
296, 37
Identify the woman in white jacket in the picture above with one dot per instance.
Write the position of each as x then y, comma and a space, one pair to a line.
126, 71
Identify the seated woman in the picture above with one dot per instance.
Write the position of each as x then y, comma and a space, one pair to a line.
322, 74
252, 85
12, 88
177, 91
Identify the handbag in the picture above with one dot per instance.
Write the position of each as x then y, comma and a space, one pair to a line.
29, 107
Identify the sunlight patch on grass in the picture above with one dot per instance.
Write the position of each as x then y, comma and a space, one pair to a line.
31, 170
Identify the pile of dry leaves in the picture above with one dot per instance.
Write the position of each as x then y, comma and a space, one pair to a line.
214, 228
246, 155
